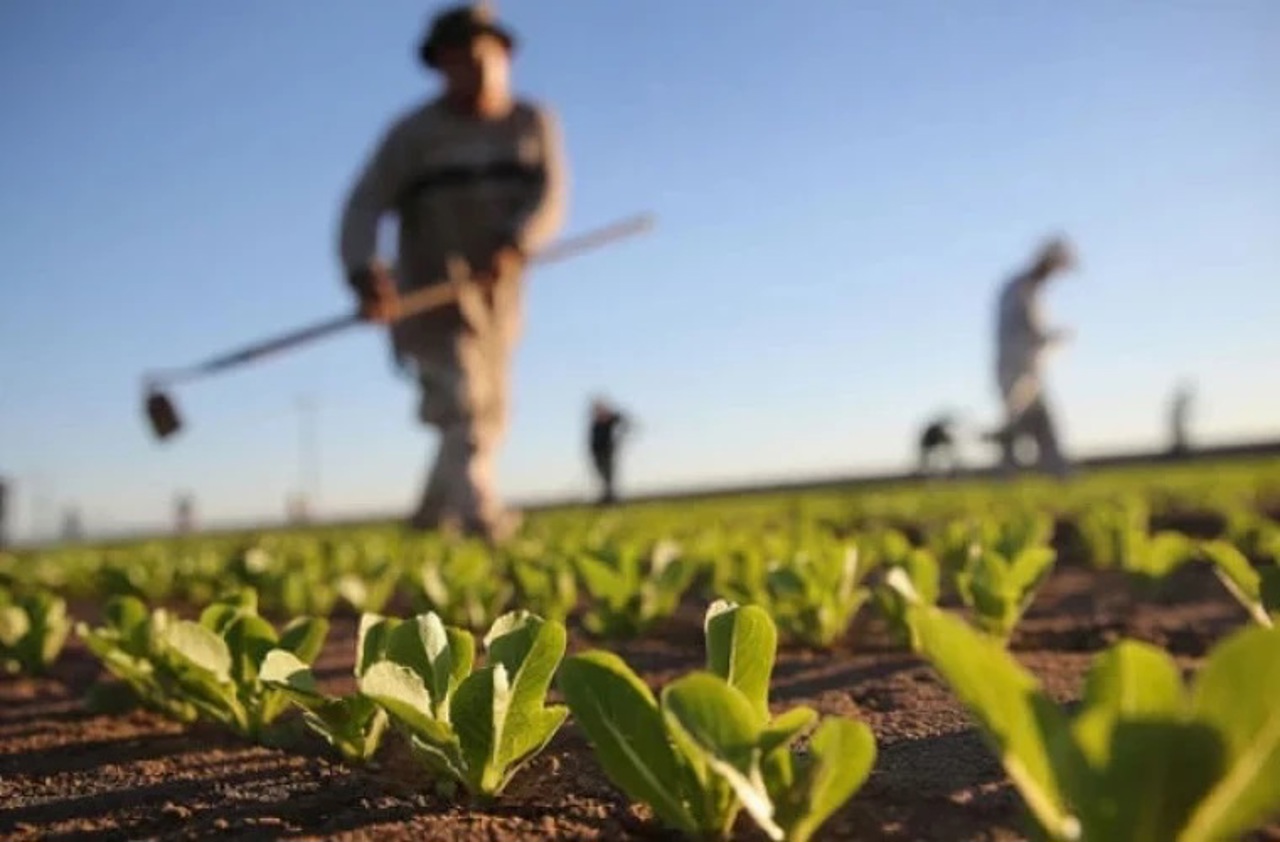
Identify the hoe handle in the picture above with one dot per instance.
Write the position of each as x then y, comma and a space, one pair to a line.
420, 301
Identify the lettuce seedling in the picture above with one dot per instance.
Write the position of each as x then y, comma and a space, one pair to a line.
998, 590
915, 572
547, 588
1141, 760
1257, 588
353, 724
129, 646
476, 728
631, 590
463, 583
711, 748
33, 629
208, 668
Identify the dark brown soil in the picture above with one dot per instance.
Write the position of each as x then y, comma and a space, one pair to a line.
67, 774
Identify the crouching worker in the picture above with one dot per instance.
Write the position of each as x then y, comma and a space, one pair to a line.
476, 181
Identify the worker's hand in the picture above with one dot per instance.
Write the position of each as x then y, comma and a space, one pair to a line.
507, 261
376, 289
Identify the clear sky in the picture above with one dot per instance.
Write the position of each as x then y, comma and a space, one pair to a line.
840, 189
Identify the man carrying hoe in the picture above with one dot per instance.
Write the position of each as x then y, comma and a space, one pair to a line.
476, 179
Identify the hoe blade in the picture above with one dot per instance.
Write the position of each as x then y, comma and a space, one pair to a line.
162, 415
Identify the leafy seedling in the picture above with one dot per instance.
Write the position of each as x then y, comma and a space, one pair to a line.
476, 728
1142, 760
353, 724
711, 748
33, 629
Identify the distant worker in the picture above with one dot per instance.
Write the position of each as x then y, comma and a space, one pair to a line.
1179, 412
72, 527
938, 446
608, 426
476, 179
184, 514
1022, 340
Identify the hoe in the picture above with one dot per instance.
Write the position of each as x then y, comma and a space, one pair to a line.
162, 413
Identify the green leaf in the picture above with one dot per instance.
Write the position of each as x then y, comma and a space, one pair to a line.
626, 729
742, 643
1140, 767
1239, 577
200, 648
720, 724
400, 691
1017, 720
440, 655
14, 625
304, 637
841, 755
372, 639
1235, 695
283, 669
529, 649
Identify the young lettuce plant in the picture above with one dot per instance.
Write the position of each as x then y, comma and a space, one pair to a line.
915, 572
463, 583
711, 748
33, 629
1118, 537
998, 590
815, 595
129, 646
547, 588
1141, 760
353, 724
1257, 588
208, 668
474, 728
630, 590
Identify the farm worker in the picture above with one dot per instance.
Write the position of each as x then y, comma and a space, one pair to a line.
1179, 412
1021, 341
477, 181
608, 425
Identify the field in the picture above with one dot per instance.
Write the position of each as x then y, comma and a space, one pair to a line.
79, 761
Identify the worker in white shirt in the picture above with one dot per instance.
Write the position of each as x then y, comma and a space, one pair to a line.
1022, 340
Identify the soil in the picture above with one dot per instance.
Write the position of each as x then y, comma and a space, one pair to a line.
67, 774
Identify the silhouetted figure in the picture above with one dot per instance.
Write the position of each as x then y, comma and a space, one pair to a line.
72, 527
607, 428
184, 514
1021, 342
1179, 412
938, 447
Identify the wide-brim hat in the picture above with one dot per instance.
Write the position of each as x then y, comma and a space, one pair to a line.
459, 25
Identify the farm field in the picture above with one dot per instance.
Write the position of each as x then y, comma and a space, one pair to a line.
1149, 554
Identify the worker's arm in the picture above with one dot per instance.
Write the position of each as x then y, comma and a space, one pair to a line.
372, 196
539, 219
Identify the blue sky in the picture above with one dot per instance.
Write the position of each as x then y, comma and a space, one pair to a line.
840, 188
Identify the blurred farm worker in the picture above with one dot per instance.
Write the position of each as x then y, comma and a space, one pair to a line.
938, 446
476, 179
1179, 412
608, 426
1022, 340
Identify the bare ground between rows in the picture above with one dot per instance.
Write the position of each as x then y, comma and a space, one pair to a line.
67, 775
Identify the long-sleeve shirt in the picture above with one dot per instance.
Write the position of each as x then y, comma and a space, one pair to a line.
460, 186
1021, 339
